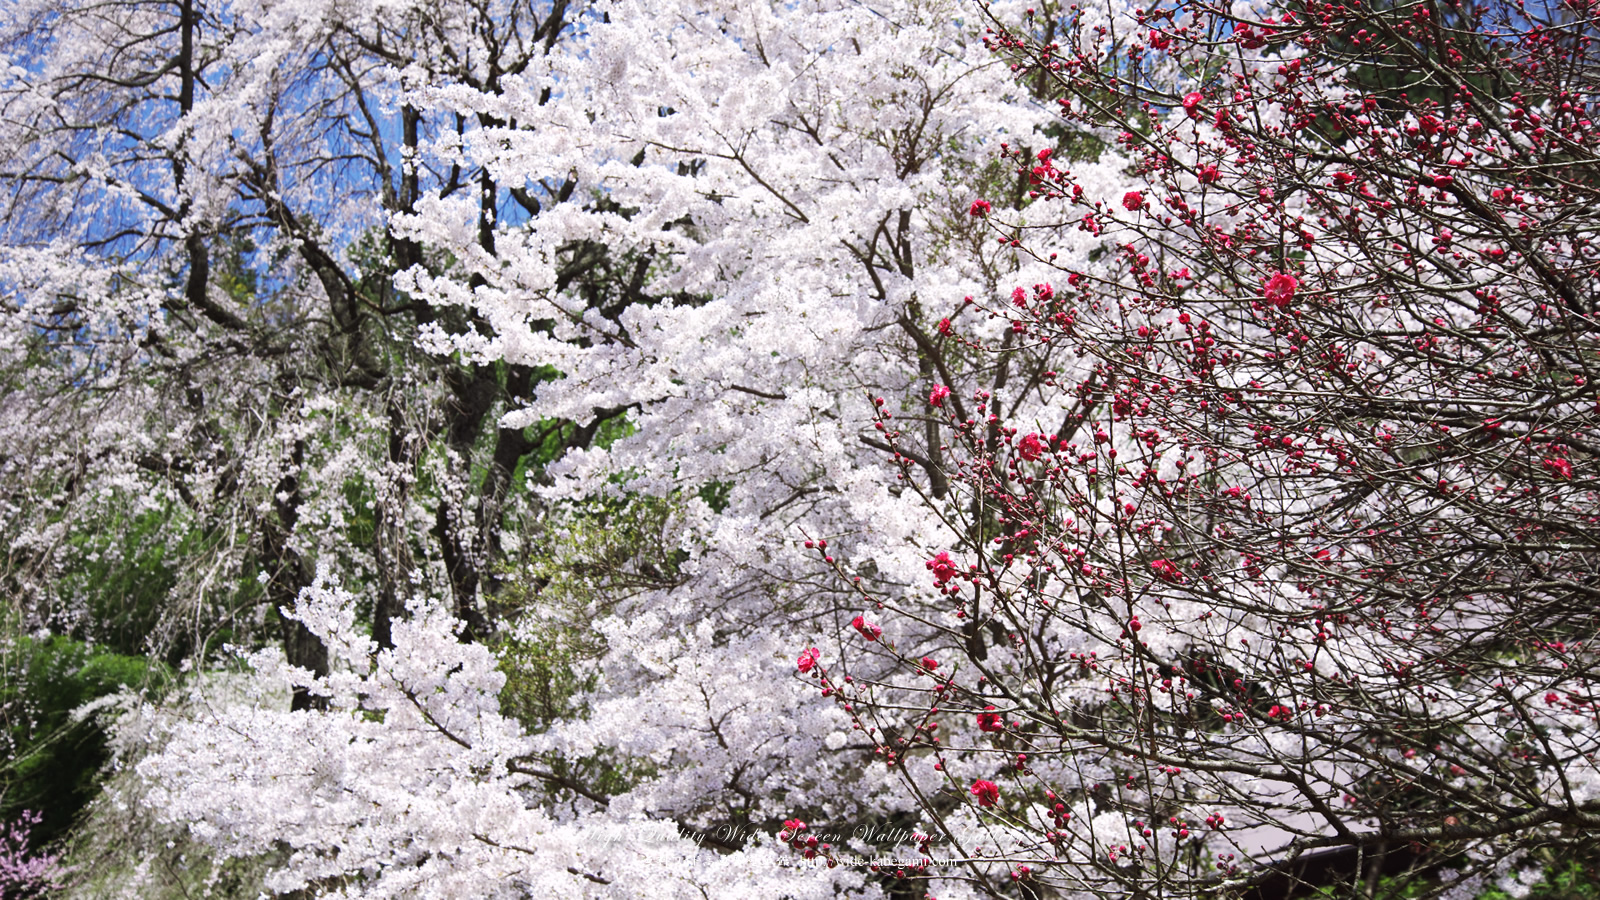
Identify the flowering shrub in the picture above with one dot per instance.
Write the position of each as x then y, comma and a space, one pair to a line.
24, 872
1296, 557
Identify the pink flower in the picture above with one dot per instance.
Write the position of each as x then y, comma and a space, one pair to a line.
1210, 174
1559, 466
930, 663
1133, 201
1019, 297
937, 395
989, 720
1191, 103
808, 659
1166, 571
987, 792
944, 326
979, 209
1279, 289
867, 629
943, 567
1029, 448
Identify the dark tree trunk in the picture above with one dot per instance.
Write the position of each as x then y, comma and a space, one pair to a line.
287, 575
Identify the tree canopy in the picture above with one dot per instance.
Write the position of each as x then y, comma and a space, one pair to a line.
816, 449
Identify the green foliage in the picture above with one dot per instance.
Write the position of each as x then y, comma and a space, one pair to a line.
544, 667
715, 494
604, 773
1564, 875
1565, 879
548, 669
361, 521
123, 576
55, 757
552, 438
611, 431
589, 558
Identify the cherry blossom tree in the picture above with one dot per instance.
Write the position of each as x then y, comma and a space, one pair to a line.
210, 377
212, 388
773, 186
